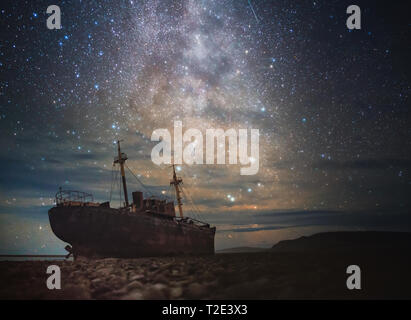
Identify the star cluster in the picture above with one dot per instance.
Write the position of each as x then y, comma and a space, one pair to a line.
331, 105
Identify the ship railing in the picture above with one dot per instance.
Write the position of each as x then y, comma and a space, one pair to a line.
73, 196
192, 221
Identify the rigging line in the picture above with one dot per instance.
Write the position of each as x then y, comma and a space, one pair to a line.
119, 187
111, 181
141, 183
173, 195
185, 196
166, 194
193, 210
169, 194
114, 180
195, 206
114, 183
188, 197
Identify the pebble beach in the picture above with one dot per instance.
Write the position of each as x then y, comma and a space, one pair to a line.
262, 275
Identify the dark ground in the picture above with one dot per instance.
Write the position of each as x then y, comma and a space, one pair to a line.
264, 275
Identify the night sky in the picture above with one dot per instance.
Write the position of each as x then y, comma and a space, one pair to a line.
332, 107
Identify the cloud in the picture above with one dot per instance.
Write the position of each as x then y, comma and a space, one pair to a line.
251, 229
390, 218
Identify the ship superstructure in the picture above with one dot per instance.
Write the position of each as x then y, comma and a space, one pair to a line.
144, 227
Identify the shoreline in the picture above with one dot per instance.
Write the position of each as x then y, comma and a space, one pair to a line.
260, 275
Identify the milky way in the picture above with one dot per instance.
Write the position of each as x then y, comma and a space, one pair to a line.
331, 106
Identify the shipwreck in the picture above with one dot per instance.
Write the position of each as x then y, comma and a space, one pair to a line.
144, 227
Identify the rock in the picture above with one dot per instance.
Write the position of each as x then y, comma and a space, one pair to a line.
208, 276
134, 285
211, 285
196, 290
82, 260
119, 293
76, 274
101, 290
176, 292
137, 277
118, 282
106, 271
153, 267
255, 289
161, 278
79, 292
134, 295
95, 282
109, 260
157, 291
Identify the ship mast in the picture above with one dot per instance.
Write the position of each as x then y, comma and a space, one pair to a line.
121, 159
176, 182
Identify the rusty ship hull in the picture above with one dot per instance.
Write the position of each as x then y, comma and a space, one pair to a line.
97, 232
145, 227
